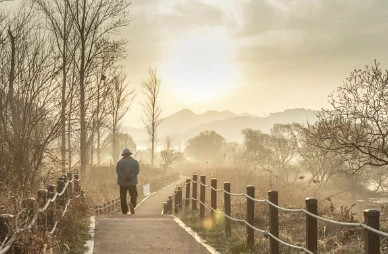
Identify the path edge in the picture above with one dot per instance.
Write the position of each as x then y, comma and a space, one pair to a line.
195, 235
90, 243
92, 226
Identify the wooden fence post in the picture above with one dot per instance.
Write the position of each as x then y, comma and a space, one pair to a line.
77, 186
4, 227
250, 216
50, 209
273, 222
195, 192
187, 200
311, 225
42, 200
372, 240
28, 205
109, 207
202, 196
227, 209
70, 186
65, 194
213, 197
169, 204
113, 202
178, 199
60, 186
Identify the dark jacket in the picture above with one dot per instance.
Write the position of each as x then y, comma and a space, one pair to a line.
127, 170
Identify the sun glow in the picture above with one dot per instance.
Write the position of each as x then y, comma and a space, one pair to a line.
199, 67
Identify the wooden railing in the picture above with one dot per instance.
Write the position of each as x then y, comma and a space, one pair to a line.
40, 214
190, 187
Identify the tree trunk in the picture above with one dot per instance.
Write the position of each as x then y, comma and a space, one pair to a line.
63, 112
152, 148
114, 144
92, 143
83, 123
69, 133
11, 80
83, 145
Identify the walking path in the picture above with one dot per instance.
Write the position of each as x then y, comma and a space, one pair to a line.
147, 231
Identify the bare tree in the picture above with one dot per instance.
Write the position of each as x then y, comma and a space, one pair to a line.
110, 82
168, 154
60, 26
151, 109
257, 152
356, 126
30, 104
122, 140
93, 19
120, 100
207, 147
283, 148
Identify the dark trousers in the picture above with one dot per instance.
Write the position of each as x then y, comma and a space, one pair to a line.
123, 197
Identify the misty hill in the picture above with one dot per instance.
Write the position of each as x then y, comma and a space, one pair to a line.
186, 119
231, 128
178, 123
186, 124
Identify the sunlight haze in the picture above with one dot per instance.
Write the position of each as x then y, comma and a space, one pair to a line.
253, 57
124, 119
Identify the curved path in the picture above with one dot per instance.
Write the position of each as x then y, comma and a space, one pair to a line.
147, 231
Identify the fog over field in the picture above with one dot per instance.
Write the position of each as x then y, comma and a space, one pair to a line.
286, 95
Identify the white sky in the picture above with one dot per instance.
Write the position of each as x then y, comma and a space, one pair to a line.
251, 56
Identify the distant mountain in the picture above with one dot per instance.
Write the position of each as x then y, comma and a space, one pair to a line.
231, 128
187, 119
186, 124
212, 115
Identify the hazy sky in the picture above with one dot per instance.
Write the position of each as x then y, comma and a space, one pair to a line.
254, 56
251, 56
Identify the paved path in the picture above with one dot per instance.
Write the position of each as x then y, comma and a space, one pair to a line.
147, 231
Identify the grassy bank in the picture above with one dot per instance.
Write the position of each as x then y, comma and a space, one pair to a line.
332, 238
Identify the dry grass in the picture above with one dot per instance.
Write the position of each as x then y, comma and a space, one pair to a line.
332, 238
72, 231
36, 239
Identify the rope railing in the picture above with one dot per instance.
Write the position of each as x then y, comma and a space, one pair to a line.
264, 232
370, 225
64, 190
340, 223
288, 244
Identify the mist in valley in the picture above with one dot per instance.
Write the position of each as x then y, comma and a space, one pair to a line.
283, 96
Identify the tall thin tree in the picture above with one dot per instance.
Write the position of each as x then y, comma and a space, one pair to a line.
60, 27
120, 99
151, 109
93, 19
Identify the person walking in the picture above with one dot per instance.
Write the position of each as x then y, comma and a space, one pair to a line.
127, 169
